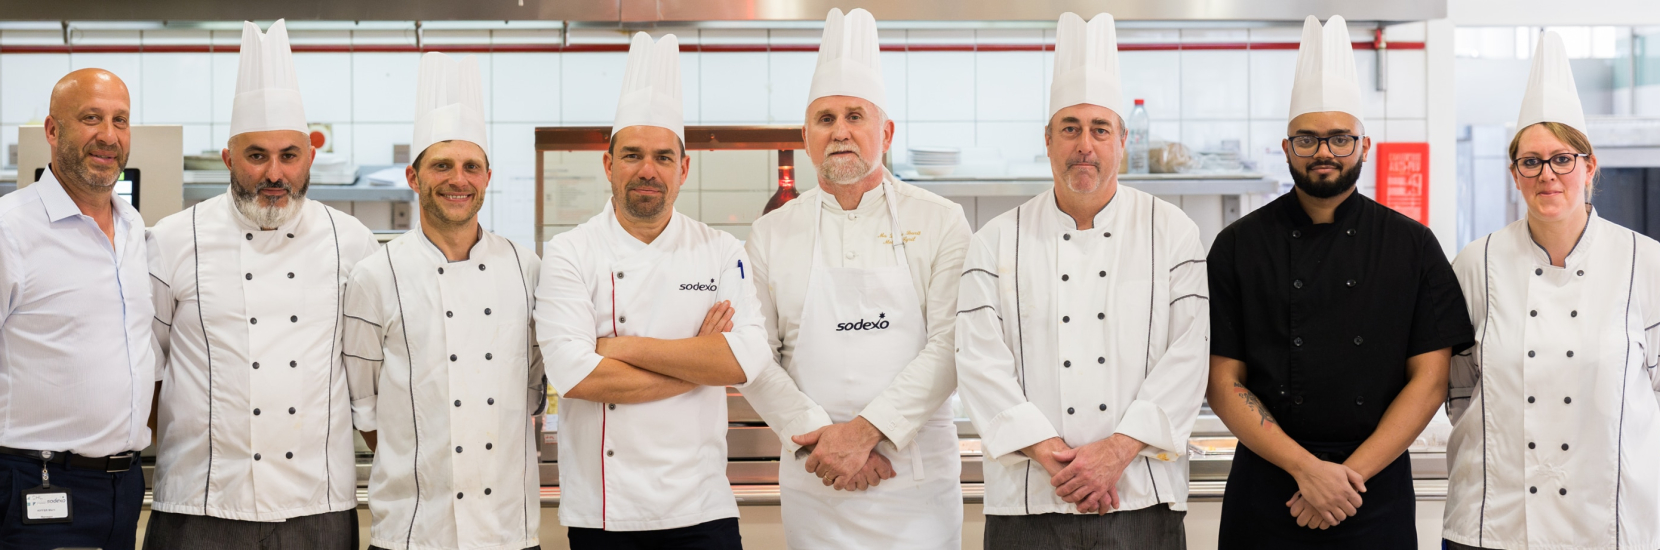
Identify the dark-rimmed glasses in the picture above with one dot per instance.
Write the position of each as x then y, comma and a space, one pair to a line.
1307, 146
1562, 164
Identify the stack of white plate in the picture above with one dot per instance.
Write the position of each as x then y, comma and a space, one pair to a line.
936, 161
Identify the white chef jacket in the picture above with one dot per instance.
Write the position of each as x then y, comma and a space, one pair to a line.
77, 356
455, 464
1081, 335
656, 465
1556, 415
781, 244
272, 300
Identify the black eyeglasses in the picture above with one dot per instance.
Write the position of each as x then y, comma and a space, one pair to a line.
1532, 167
1307, 146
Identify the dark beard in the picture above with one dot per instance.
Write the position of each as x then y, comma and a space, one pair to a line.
1325, 190
645, 209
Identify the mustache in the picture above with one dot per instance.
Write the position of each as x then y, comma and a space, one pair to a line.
841, 147
1326, 163
1076, 160
646, 184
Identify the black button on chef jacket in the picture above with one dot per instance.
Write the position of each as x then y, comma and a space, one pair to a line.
1325, 316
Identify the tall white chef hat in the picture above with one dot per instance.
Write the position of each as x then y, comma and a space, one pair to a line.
849, 59
1326, 76
449, 102
1551, 95
267, 93
651, 86
1086, 64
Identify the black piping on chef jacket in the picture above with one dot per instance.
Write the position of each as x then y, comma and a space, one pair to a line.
1324, 318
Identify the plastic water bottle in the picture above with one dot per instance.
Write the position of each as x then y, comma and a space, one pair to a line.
1138, 140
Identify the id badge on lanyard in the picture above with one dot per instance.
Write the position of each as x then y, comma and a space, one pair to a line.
47, 504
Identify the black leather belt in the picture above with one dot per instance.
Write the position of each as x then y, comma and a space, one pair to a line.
110, 464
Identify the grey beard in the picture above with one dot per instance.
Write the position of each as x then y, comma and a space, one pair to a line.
69, 161
253, 206
840, 172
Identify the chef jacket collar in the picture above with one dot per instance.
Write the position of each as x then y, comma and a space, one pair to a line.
1542, 257
477, 250
1293, 210
621, 238
1067, 223
244, 224
871, 200
60, 207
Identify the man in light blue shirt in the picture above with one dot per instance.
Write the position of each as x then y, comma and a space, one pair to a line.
76, 347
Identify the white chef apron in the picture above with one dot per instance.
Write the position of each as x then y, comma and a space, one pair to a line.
859, 328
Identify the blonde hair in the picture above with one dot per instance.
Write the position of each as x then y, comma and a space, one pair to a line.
1573, 138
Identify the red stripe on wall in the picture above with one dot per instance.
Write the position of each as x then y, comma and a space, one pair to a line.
708, 48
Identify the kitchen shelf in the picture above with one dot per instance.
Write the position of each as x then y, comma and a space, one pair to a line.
1156, 184
360, 191
1628, 157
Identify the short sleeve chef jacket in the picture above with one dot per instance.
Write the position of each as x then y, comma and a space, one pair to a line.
441, 362
1325, 316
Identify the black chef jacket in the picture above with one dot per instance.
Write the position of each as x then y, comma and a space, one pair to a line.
1324, 318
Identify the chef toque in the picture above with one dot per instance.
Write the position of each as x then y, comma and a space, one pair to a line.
449, 102
651, 87
1086, 64
1326, 76
849, 59
267, 93
1551, 95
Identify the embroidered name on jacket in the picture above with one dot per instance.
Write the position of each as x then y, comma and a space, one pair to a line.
700, 286
881, 323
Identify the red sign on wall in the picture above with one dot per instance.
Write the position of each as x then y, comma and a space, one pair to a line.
1403, 179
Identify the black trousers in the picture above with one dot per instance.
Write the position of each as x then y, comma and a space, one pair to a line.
1254, 515
325, 531
720, 534
104, 506
1156, 527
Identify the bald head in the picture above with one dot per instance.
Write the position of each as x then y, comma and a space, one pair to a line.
75, 88
88, 129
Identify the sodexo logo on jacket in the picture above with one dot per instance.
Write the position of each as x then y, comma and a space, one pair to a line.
881, 323
700, 286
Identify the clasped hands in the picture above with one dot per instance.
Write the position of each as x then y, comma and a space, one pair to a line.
1086, 476
844, 455
1327, 493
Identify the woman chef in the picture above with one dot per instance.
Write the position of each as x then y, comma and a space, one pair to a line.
1556, 419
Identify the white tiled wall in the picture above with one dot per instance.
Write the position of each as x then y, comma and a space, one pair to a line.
988, 99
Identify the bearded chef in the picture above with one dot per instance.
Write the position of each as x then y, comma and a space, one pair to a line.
1556, 424
1082, 333
254, 424
1333, 319
439, 348
646, 316
860, 406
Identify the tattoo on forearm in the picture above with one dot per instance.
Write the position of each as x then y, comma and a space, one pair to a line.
1254, 404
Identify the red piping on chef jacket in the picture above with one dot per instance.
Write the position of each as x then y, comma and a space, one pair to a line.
602, 415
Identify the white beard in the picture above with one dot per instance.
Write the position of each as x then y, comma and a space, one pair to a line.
840, 171
268, 217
